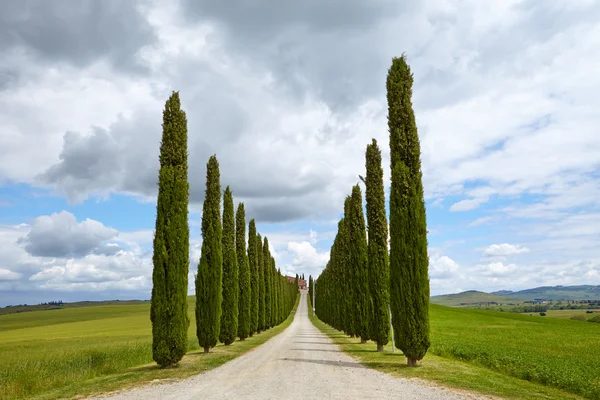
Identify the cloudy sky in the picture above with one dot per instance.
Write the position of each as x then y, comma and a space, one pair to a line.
288, 94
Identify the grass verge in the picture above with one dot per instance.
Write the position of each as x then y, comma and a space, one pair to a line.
441, 370
55, 365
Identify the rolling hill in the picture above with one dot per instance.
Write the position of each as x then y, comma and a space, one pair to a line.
580, 292
469, 298
474, 297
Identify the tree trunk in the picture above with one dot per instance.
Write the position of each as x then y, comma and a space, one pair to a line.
379, 348
241, 340
363, 341
412, 362
206, 349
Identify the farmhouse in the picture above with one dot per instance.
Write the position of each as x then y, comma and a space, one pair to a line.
301, 282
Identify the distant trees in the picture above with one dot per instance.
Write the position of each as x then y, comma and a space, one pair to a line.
261, 284
359, 281
357, 236
168, 306
253, 268
239, 289
229, 305
209, 290
268, 282
244, 274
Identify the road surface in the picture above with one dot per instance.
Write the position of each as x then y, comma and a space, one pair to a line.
299, 363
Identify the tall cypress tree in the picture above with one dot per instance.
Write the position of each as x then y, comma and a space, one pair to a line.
349, 317
209, 295
261, 283
358, 262
377, 249
168, 307
229, 306
253, 263
409, 281
244, 281
275, 296
267, 268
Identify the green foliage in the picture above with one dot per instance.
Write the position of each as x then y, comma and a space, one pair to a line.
409, 289
209, 294
357, 245
244, 278
229, 305
268, 282
253, 267
168, 311
261, 283
409, 281
378, 267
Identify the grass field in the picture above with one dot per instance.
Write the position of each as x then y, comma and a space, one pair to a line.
62, 353
503, 354
566, 314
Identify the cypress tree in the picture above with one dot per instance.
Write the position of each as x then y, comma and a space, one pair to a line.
358, 262
348, 317
282, 296
409, 281
310, 291
168, 306
275, 297
229, 306
253, 264
244, 280
267, 268
209, 295
261, 283
377, 248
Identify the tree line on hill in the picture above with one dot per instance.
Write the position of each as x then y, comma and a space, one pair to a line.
239, 289
361, 278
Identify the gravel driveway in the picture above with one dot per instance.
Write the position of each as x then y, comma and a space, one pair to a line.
299, 363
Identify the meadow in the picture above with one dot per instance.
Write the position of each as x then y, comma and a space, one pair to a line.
62, 353
504, 354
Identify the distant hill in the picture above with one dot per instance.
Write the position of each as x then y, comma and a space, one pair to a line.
59, 305
470, 298
580, 292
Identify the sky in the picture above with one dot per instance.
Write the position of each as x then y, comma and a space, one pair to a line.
288, 94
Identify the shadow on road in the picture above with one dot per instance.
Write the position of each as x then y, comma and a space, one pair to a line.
326, 362
332, 351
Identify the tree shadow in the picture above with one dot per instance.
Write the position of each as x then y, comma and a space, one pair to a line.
299, 341
326, 362
332, 351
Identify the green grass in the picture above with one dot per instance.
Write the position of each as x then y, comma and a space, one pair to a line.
83, 351
508, 355
41, 307
566, 314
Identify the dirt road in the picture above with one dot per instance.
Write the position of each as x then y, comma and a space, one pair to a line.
300, 363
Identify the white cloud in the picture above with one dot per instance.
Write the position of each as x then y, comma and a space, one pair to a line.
60, 235
498, 269
8, 275
504, 249
467, 204
482, 220
306, 259
442, 267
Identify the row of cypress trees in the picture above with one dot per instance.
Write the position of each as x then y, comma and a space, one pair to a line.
239, 290
361, 279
